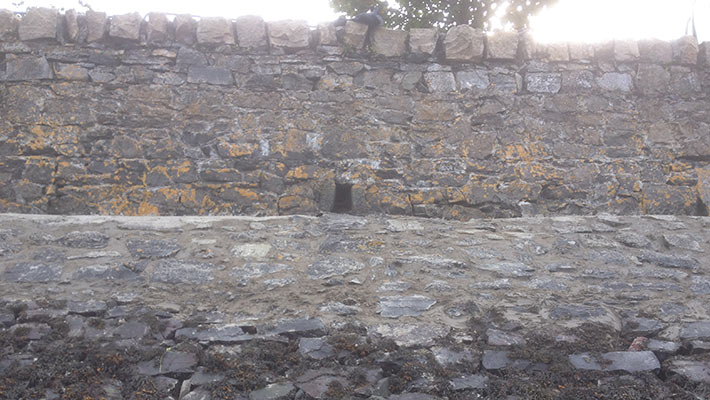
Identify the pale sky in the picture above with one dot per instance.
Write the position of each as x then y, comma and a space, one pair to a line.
569, 20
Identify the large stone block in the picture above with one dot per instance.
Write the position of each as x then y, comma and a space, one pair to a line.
389, 42
655, 51
327, 34
440, 81
423, 40
95, 26
652, 79
39, 23
503, 46
214, 30
26, 68
355, 35
157, 28
463, 43
71, 26
126, 26
685, 50
251, 31
581, 51
626, 50
185, 27
615, 81
543, 82
289, 34
8, 25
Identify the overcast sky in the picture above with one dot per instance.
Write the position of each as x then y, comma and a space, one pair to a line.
579, 20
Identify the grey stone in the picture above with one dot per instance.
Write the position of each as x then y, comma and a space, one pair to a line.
396, 286
476, 79
256, 251
298, 327
632, 239
663, 347
495, 359
447, 357
503, 45
274, 391
214, 30
584, 361
210, 75
497, 284
169, 363
465, 44
626, 50
185, 29
317, 348
409, 335
615, 81
228, 333
183, 271
695, 330
251, 31
6, 319
440, 81
543, 82
333, 266
682, 241
71, 26
105, 272
696, 371
389, 42
289, 34
642, 326
655, 51
340, 309
22, 68
629, 361
399, 306
256, 270
509, 269
157, 28
423, 40
8, 25
87, 308
572, 311
500, 338
71, 72
198, 394
188, 56
434, 261
132, 330
355, 35
699, 347
319, 388
95, 25
126, 26
39, 23
33, 272
652, 79
327, 33
31, 331
701, 285
152, 248
668, 261
84, 240
685, 50
200, 377
412, 396
467, 382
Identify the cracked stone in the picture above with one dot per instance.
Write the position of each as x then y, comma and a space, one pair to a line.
400, 306
317, 348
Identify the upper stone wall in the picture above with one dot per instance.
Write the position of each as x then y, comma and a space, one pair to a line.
126, 115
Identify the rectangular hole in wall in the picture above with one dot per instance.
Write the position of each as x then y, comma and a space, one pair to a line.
343, 201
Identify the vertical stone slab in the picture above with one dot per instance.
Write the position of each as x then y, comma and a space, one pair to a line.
422, 41
704, 189
685, 50
327, 34
251, 31
389, 42
39, 23
8, 26
185, 28
355, 35
704, 54
214, 30
95, 26
126, 26
464, 44
503, 46
71, 26
157, 28
289, 34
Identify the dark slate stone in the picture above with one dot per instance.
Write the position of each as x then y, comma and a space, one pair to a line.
469, 382
299, 327
663, 347
669, 261
87, 308
169, 363
153, 248
274, 391
399, 306
696, 371
105, 272
48, 255
500, 338
632, 239
220, 333
317, 348
26, 68
413, 396
188, 56
31, 331
333, 266
629, 361
182, 271
132, 330
510, 269
447, 357
6, 319
210, 75
84, 240
573, 311
701, 285
494, 359
695, 330
33, 272
201, 377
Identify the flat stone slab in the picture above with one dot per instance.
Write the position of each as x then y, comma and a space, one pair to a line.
152, 248
629, 361
333, 266
181, 271
508, 269
400, 306
33, 272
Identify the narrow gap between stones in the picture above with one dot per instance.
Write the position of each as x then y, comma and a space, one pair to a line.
343, 201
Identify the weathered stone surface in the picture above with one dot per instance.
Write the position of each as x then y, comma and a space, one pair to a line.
71, 72
440, 81
463, 43
685, 50
220, 333
299, 327
39, 23
695, 330
106, 272
509, 269
655, 50
402, 306
8, 25
695, 371
469, 382
185, 29
214, 30
626, 50
629, 361
152, 248
126, 26
84, 240
22, 68
423, 40
256, 270
317, 348
543, 82
289, 34
355, 35
389, 42
333, 266
668, 261
500, 338
274, 391
496, 359
32, 272
157, 28
503, 46
251, 31
682, 241
181, 271
447, 357
615, 81
251, 250
209, 75
476, 79
96, 23
411, 334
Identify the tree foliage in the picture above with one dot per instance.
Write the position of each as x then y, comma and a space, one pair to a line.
445, 13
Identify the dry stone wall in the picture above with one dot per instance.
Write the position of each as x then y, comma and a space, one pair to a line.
170, 116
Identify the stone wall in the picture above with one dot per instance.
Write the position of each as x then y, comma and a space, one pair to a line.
130, 115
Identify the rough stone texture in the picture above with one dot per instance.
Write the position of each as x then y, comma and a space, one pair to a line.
289, 34
126, 26
629, 361
389, 42
214, 30
685, 50
157, 28
656, 51
95, 25
626, 50
8, 25
24, 68
185, 29
423, 40
503, 46
251, 31
355, 35
463, 43
543, 82
39, 23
